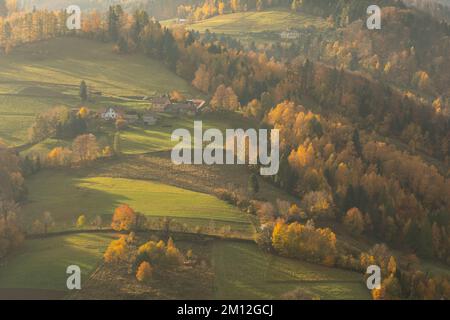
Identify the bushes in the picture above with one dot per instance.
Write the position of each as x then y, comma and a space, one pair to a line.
266, 212
305, 242
158, 253
264, 237
144, 272
390, 290
58, 122
59, 156
153, 256
117, 251
235, 198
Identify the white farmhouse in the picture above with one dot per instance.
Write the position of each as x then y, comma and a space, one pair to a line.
111, 113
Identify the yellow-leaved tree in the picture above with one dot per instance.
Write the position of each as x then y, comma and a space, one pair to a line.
124, 218
117, 250
144, 272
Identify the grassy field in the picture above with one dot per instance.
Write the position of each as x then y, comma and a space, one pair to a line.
243, 22
66, 196
139, 140
242, 271
42, 263
44, 147
142, 139
229, 270
39, 76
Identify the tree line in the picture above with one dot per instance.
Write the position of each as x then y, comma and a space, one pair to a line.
12, 190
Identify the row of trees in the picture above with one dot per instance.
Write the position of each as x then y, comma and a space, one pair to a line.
25, 27
342, 11
305, 242
12, 189
85, 149
60, 123
209, 8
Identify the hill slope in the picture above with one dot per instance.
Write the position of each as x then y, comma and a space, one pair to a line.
39, 76
272, 20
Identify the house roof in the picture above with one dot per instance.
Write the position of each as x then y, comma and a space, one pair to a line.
198, 103
118, 110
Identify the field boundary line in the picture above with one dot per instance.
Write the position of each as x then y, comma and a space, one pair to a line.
201, 236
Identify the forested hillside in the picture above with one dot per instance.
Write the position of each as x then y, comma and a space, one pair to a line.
160, 9
410, 50
342, 11
438, 9
363, 120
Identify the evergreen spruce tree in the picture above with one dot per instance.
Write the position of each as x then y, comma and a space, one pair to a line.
116, 144
83, 91
253, 185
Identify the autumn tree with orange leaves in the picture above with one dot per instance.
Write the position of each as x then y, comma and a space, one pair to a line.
124, 218
144, 272
118, 250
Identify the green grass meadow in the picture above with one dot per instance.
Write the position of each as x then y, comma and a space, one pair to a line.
67, 196
245, 272
140, 140
37, 77
241, 270
271, 20
42, 263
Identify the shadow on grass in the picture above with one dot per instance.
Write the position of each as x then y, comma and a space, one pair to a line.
66, 197
41, 264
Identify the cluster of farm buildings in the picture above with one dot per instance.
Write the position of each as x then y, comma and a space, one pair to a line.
161, 104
